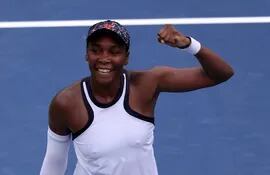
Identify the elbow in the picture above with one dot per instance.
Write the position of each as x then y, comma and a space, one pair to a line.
226, 75
229, 73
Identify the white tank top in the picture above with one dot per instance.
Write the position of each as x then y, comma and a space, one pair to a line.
116, 140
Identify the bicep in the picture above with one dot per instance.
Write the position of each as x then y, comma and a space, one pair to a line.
171, 79
57, 117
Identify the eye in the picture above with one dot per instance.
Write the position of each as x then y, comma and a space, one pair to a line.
95, 49
116, 50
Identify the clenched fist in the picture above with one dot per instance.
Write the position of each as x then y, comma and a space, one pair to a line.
170, 36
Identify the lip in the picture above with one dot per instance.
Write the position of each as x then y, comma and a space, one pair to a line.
105, 71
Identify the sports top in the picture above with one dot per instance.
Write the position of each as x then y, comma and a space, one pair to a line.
116, 140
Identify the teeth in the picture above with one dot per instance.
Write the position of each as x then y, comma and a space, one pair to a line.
104, 70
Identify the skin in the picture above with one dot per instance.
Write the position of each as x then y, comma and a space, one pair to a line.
67, 112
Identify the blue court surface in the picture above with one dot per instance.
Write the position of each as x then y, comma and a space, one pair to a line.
223, 130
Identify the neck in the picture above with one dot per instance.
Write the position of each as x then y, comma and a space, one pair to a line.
105, 93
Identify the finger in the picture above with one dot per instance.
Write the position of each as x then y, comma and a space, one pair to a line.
160, 40
162, 34
164, 30
168, 38
168, 26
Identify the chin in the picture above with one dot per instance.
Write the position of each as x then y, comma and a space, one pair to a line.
104, 79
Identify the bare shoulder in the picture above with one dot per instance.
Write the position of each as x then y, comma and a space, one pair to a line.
61, 106
65, 97
144, 83
142, 77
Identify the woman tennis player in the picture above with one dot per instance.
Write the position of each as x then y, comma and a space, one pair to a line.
109, 116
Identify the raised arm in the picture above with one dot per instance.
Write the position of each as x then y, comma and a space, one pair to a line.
213, 69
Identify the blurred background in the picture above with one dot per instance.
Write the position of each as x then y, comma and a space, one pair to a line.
223, 130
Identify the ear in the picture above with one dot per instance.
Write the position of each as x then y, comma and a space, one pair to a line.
86, 56
126, 58
86, 53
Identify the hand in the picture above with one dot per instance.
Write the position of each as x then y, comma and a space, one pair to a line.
170, 36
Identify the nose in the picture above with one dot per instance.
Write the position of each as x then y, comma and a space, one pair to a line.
104, 57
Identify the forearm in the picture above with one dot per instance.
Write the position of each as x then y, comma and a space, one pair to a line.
213, 65
55, 160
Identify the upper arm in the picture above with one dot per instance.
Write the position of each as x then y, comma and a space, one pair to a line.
58, 139
58, 111
171, 79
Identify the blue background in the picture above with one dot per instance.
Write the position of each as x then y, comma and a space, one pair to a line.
221, 130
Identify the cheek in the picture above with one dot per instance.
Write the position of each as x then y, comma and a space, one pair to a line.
118, 64
122, 60
90, 59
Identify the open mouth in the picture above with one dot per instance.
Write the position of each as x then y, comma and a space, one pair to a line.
104, 70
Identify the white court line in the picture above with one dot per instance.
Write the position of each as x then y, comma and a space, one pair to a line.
136, 22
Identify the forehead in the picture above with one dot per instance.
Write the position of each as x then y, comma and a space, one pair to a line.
105, 40
105, 36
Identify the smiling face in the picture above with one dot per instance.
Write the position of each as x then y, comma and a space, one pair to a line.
106, 56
